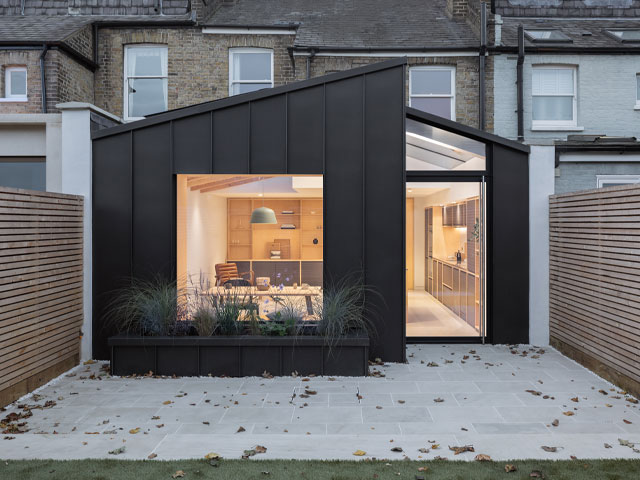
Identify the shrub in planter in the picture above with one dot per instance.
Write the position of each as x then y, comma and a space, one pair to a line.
148, 307
342, 310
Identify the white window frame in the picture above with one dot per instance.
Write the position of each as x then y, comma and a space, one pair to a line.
126, 77
557, 124
637, 106
452, 96
617, 179
7, 84
233, 51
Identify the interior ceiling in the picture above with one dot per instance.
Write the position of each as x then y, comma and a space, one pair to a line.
256, 185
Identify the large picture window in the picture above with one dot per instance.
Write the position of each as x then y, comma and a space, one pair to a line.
145, 80
432, 90
250, 69
554, 102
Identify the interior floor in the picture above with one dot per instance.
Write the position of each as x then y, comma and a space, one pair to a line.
426, 317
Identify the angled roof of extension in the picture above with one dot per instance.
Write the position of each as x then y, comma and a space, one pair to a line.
355, 24
205, 107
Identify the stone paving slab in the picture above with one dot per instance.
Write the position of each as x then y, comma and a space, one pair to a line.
502, 400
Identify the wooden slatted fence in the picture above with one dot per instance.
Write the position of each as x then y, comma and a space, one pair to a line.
40, 288
594, 304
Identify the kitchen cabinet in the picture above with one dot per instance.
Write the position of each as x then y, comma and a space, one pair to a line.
454, 215
455, 288
311, 273
428, 250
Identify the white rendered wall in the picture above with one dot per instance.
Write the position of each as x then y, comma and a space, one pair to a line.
606, 95
75, 178
541, 185
206, 234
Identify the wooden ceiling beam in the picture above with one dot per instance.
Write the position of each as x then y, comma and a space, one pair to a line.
232, 182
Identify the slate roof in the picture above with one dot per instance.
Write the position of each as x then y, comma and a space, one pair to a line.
375, 24
583, 33
55, 28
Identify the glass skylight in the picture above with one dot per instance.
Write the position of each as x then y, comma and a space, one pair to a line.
625, 35
546, 36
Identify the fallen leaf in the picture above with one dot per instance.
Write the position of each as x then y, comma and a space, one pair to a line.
534, 392
160, 425
438, 400
155, 417
378, 407
602, 392
89, 362
396, 449
423, 450
432, 364
212, 456
573, 457
575, 399
133, 431
462, 449
510, 468
167, 402
568, 413
118, 451
178, 474
628, 422
241, 429
310, 392
152, 456
481, 457
401, 402
555, 423
631, 400
606, 445
435, 446
359, 453
549, 449
266, 374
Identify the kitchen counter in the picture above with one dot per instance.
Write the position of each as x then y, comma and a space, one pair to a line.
452, 262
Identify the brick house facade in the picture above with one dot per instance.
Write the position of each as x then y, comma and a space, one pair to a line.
198, 62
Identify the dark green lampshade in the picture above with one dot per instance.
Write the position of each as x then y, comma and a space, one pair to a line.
263, 215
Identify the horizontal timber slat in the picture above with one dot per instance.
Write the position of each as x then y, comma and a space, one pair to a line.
594, 280
41, 285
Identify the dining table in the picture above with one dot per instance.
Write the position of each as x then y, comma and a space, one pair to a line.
271, 292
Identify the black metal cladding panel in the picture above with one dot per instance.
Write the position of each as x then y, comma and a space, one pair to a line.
269, 135
192, 144
231, 139
153, 199
344, 177
305, 138
510, 247
384, 207
111, 226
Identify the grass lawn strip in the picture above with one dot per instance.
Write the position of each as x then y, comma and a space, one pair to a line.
317, 470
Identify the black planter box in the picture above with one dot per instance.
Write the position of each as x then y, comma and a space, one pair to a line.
238, 356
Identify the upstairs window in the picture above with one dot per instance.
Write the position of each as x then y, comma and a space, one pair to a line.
15, 83
554, 101
625, 36
250, 69
547, 36
433, 90
145, 80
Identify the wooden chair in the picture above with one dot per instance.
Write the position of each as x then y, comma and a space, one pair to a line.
228, 271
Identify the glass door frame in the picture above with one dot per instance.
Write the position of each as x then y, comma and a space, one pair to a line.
484, 180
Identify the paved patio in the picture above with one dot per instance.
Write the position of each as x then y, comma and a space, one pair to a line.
501, 400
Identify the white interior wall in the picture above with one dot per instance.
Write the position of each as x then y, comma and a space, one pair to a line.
206, 234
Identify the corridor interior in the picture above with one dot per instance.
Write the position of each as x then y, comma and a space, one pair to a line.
443, 259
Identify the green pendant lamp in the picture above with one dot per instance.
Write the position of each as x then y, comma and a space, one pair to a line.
263, 214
